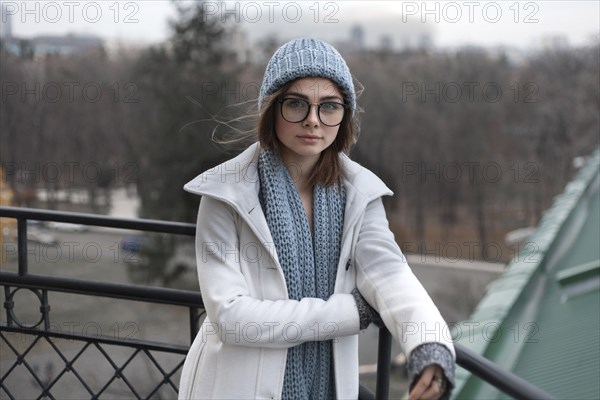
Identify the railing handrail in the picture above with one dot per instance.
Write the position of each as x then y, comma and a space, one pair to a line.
187, 298
151, 225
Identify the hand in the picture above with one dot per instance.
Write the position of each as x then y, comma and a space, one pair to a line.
431, 385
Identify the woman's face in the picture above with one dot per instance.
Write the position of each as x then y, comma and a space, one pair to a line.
304, 141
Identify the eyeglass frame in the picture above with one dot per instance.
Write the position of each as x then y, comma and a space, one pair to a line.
282, 99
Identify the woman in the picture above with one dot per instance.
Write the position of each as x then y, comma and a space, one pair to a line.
295, 256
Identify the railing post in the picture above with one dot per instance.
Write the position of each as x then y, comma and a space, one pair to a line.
384, 362
8, 305
22, 245
45, 309
194, 325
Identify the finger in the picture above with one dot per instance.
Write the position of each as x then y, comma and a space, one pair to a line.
433, 392
422, 384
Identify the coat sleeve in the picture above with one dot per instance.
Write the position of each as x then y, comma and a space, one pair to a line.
240, 319
386, 281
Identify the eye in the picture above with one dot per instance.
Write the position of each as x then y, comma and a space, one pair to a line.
295, 103
331, 106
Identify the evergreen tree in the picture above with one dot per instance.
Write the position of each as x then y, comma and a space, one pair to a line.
181, 85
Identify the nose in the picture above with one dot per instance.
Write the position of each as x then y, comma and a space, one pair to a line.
312, 119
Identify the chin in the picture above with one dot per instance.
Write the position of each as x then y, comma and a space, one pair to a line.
309, 151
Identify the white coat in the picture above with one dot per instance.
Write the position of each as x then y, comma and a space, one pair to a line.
240, 351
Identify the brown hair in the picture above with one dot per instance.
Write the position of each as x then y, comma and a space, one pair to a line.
328, 169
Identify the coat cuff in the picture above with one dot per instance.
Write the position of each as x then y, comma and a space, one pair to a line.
432, 353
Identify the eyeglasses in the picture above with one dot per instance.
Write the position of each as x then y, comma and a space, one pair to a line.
295, 110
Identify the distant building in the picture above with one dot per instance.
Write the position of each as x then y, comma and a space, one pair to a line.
354, 42
554, 42
357, 37
386, 43
42, 44
51, 44
5, 23
67, 44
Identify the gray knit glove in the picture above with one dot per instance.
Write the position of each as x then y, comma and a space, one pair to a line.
432, 353
366, 313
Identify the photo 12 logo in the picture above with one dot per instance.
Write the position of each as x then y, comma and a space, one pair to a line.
470, 11
70, 172
90, 252
60, 12
71, 92
469, 92
268, 331
271, 11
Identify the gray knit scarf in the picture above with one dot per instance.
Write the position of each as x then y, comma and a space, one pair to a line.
309, 265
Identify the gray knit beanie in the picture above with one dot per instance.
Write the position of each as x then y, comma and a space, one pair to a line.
305, 57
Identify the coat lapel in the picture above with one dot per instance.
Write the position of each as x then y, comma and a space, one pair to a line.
236, 183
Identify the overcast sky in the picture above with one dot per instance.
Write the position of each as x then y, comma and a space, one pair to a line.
520, 24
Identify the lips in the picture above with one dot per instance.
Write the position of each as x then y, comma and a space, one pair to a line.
309, 137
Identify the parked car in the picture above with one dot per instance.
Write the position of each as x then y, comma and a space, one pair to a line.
39, 234
134, 244
67, 227
159, 259
180, 269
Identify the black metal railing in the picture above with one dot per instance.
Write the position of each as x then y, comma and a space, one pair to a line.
40, 285
106, 349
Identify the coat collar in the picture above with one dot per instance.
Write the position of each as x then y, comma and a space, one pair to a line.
236, 181
361, 184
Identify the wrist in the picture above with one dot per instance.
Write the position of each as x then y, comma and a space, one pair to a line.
363, 312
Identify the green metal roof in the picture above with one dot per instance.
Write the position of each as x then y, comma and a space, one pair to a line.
541, 318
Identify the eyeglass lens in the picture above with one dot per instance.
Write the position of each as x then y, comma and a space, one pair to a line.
296, 110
